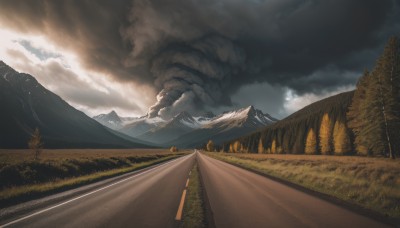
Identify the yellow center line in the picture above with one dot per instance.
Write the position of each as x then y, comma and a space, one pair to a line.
180, 209
178, 216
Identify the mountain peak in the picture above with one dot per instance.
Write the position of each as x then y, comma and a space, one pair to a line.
250, 110
113, 113
184, 116
6, 69
109, 118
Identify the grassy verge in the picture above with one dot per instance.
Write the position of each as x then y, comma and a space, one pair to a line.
372, 183
23, 180
193, 210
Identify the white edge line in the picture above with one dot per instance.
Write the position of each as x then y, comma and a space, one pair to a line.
87, 194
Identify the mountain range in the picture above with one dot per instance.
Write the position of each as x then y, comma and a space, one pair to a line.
185, 130
27, 105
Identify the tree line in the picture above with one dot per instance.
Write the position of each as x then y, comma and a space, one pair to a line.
363, 122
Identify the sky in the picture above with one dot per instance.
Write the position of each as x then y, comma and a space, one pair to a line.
161, 57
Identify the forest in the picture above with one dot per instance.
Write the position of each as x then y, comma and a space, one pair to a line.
365, 121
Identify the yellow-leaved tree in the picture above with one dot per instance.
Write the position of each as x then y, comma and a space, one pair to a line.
237, 147
325, 135
210, 146
36, 144
261, 149
341, 139
173, 149
311, 143
273, 147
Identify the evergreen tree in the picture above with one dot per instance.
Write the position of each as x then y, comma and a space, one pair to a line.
341, 139
372, 131
381, 107
388, 70
356, 121
325, 134
311, 143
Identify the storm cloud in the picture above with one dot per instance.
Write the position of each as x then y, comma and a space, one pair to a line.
197, 54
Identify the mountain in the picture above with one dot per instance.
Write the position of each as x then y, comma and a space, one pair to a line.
111, 120
224, 127
141, 125
27, 105
290, 133
185, 130
179, 125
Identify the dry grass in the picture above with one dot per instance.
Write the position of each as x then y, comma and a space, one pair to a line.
17, 156
194, 211
372, 183
23, 178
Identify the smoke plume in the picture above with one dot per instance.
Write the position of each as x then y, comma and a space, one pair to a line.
197, 54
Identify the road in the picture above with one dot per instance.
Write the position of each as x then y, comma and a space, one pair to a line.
146, 199
239, 198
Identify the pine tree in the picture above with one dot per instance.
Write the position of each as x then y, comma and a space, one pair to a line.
381, 107
260, 146
388, 72
372, 132
341, 139
356, 120
311, 143
325, 134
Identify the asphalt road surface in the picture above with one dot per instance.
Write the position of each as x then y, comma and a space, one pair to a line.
239, 198
147, 199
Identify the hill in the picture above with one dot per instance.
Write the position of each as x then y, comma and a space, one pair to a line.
289, 135
27, 105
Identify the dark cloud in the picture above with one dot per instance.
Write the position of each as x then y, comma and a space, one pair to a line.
198, 54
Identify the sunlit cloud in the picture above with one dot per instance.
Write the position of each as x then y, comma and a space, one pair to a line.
60, 71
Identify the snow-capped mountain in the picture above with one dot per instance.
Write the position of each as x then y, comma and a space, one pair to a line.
224, 127
245, 117
111, 120
204, 118
186, 130
141, 125
177, 126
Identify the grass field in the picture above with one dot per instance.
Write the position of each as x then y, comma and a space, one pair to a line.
193, 211
23, 178
372, 183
